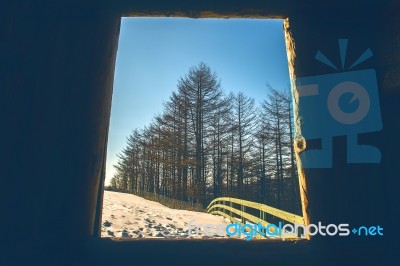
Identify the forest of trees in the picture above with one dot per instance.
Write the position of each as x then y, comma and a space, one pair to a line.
207, 144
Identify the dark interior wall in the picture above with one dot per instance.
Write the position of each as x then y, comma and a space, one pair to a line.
56, 74
357, 194
56, 84
345, 193
387, 43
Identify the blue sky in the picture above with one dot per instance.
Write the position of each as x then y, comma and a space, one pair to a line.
154, 53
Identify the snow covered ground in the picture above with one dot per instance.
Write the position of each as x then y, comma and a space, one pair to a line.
130, 216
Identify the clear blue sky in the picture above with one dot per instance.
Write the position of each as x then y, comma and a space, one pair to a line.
154, 53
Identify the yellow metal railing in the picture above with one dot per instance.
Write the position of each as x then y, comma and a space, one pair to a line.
224, 206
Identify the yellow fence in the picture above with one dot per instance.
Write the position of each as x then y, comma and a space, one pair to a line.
242, 211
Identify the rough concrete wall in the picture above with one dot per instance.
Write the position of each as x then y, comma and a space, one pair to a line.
55, 94
238, 8
358, 194
55, 100
387, 41
299, 142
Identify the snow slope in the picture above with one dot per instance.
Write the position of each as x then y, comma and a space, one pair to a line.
127, 215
